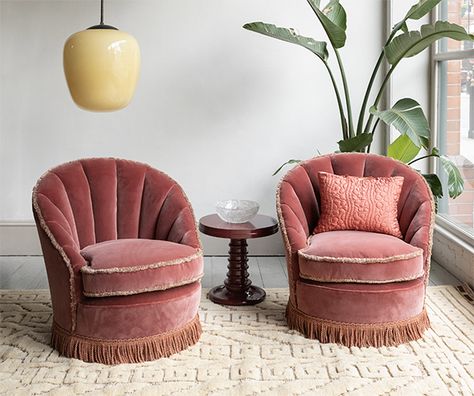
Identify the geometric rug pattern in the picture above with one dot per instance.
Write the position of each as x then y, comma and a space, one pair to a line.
245, 351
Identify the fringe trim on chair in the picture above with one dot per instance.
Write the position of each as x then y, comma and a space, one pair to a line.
125, 351
357, 334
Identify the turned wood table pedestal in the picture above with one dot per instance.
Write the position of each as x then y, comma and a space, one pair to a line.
237, 288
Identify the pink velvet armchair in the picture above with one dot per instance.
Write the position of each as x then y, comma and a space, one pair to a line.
123, 259
353, 287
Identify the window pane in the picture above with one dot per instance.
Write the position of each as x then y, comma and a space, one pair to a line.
460, 12
456, 136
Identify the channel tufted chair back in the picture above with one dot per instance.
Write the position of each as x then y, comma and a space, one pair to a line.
108, 209
101, 199
298, 206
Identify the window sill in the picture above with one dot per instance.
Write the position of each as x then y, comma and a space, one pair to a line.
454, 250
456, 234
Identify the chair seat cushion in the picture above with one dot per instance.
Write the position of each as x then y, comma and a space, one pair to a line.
131, 266
359, 257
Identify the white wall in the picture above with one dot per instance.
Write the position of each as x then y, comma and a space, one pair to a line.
217, 107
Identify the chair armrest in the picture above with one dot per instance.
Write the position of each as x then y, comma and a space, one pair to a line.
176, 221
295, 232
420, 231
58, 230
63, 262
66, 246
297, 208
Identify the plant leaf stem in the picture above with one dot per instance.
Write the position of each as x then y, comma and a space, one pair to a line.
373, 130
346, 92
423, 157
371, 83
339, 102
387, 77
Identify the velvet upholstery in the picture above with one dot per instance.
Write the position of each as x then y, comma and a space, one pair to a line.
361, 302
298, 206
98, 214
133, 316
359, 256
132, 266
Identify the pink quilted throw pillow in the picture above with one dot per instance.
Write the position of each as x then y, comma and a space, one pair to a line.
359, 203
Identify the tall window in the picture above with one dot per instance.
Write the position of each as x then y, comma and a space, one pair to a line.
453, 62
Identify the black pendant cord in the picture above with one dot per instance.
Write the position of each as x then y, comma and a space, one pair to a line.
101, 12
101, 25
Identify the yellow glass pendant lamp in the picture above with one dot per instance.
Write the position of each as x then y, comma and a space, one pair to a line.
101, 65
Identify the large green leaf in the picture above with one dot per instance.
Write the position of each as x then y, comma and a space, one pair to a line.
356, 143
333, 20
435, 184
455, 180
435, 187
316, 47
403, 149
420, 9
407, 117
416, 12
336, 14
411, 43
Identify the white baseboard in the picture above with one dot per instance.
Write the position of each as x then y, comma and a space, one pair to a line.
21, 239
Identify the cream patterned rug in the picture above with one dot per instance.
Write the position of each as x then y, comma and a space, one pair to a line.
245, 351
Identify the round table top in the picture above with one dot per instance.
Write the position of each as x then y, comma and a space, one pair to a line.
259, 226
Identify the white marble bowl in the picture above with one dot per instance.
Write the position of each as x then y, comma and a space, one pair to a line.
236, 210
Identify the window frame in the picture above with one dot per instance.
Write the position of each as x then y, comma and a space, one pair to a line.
435, 60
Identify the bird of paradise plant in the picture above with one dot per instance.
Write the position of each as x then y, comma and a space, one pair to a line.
406, 115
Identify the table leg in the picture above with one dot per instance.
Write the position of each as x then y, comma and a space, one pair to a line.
237, 288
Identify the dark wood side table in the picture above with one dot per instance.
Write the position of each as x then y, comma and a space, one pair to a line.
237, 288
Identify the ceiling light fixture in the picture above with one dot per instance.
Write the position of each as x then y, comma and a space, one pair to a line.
101, 65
